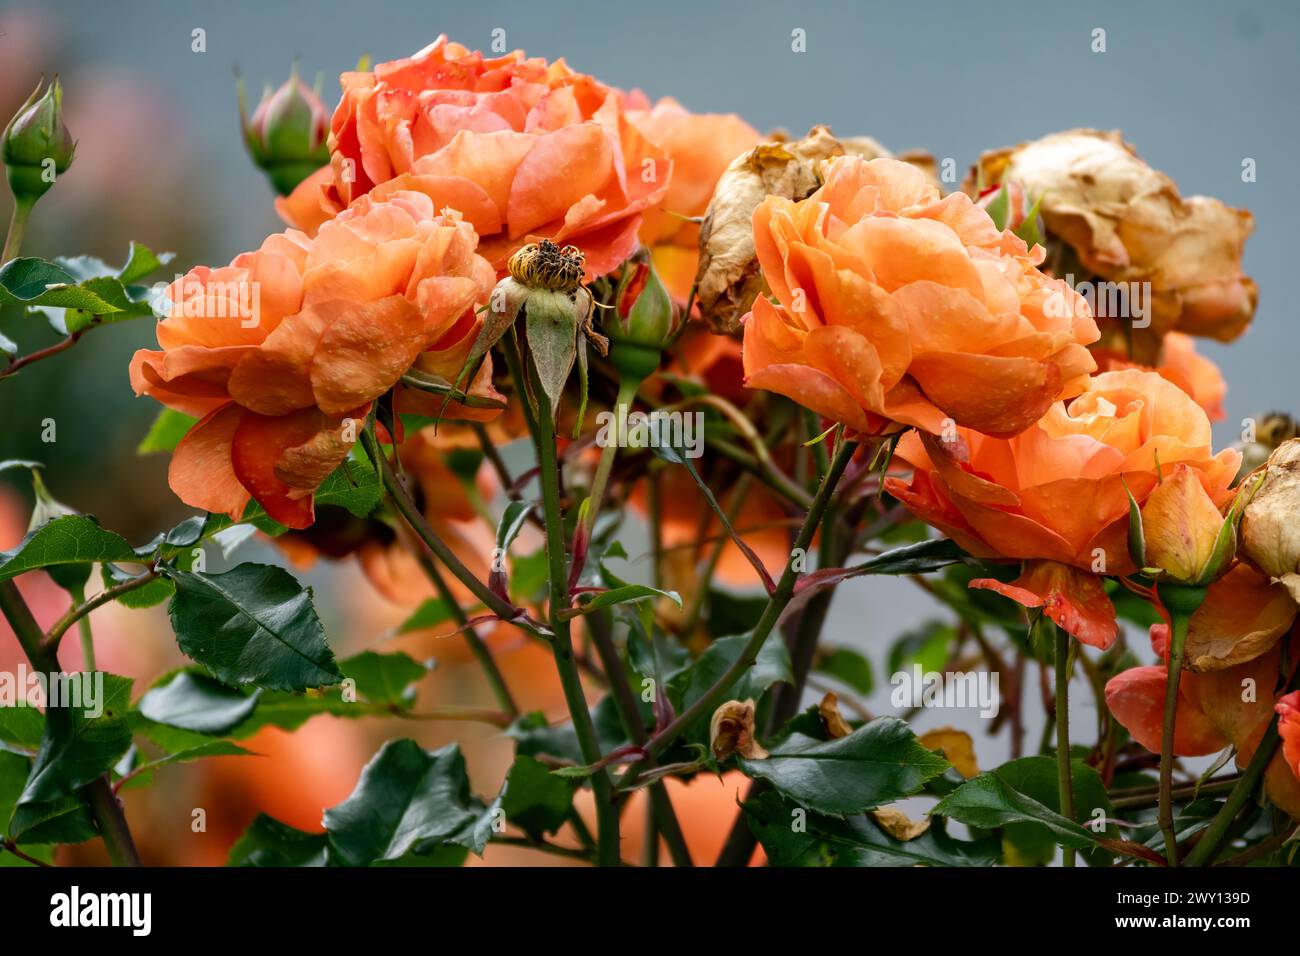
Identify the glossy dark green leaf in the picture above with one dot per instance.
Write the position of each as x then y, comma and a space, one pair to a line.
590, 602
407, 798
771, 665
534, 737
732, 613
254, 624
77, 748
988, 801
150, 595
876, 764
383, 678
268, 842
166, 432
36, 282
791, 836
848, 666
71, 539
21, 726
1036, 778
533, 798
197, 702
432, 612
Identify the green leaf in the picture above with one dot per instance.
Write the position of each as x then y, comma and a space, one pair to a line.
36, 282
21, 726
430, 613
407, 799
999, 209
254, 624
268, 842
988, 801
926, 646
384, 678
76, 748
534, 737
590, 602
791, 836
534, 799
142, 774
847, 666
1036, 778
166, 432
733, 613
771, 665
71, 539
196, 702
150, 595
876, 764
65, 820
142, 261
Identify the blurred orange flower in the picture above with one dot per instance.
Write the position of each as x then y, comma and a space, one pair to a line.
898, 307
701, 146
1288, 725
282, 351
1057, 492
525, 150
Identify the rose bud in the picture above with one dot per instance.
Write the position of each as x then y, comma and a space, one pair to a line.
287, 135
1110, 216
37, 145
645, 321
1270, 534
1181, 536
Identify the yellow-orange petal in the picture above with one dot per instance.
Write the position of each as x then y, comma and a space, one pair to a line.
997, 395
280, 460
1243, 616
366, 348
1136, 698
1180, 523
202, 473
1074, 599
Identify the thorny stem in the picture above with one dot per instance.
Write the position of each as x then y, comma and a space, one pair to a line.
1064, 782
776, 604
77, 614
543, 430
478, 647
1165, 816
1208, 848
103, 804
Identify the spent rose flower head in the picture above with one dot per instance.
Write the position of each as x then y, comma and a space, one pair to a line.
1124, 221
900, 308
701, 146
282, 351
526, 150
1057, 495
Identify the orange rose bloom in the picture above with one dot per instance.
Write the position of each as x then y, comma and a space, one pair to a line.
1054, 496
1212, 713
525, 150
701, 146
1181, 364
898, 307
282, 351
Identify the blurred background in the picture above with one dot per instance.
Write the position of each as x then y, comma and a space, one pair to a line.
1196, 87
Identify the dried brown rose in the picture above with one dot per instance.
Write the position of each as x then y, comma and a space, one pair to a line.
1270, 529
731, 731
1120, 220
729, 279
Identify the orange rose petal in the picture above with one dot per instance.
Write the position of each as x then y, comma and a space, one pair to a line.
813, 389
276, 378
366, 348
1243, 616
202, 473
1073, 599
196, 399
995, 395
562, 167
1136, 698
260, 444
